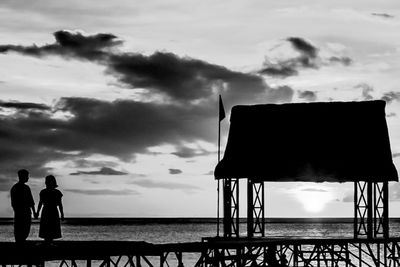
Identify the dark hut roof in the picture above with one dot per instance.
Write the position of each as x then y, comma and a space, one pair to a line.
315, 142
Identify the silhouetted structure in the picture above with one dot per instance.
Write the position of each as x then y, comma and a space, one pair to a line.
50, 200
290, 142
22, 204
309, 142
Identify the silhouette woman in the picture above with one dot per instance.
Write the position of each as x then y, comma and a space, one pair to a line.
50, 200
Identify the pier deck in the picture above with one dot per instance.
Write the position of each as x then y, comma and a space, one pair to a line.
209, 252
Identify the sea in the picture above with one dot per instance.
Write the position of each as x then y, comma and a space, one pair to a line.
178, 230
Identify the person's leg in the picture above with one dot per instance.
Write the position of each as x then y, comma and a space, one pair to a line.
20, 228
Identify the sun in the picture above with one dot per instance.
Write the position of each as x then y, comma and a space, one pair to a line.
314, 199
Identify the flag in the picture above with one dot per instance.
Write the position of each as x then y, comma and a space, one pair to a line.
221, 109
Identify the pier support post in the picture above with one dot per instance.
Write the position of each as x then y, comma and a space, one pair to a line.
371, 210
231, 207
255, 209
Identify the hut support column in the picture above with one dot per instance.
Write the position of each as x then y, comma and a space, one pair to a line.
231, 207
371, 210
255, 209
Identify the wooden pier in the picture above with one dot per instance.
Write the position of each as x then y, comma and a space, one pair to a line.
210, 252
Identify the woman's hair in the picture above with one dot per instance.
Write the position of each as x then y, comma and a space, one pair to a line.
51, 181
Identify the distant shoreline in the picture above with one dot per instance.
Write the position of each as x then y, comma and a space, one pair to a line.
185, 220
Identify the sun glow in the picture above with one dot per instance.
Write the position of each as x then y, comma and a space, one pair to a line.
314, 199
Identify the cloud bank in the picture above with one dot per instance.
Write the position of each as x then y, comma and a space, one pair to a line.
32, 136
308, 58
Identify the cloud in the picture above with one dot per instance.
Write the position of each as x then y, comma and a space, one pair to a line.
24, 105
70, 44
308, 95
188, 152
389, 97
109, 192
383, 15
147, 183
346, 61
282, 93
33, 136
395, 155
6, 184
210, 173
277, 70
307, 50
313, 190
366, 91
391, 114
102, 171
308, 58
175, 171
348, 198
180, 78
84, 163
121, 128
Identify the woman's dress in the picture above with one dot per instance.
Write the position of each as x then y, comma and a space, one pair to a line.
50, 227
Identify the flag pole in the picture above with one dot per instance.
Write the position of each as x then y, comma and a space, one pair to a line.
219, 157
221, 116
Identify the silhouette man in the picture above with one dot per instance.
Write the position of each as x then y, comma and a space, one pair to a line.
23, 206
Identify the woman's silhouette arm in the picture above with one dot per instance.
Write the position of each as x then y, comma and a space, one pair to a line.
60, 207
38, 209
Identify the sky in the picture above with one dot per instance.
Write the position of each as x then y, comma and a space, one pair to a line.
119, 99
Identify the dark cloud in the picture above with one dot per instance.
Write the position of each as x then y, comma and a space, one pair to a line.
276, 70
32, 136
307, 50
188, 152
70, 44
175, 171
84, 163
24, 105
389, 97
123, 127
395, 155
313, 190
102, 171
346, 61
383, 15
147, 183
110, 192
308, 58
391, 114
120, 128
308, 95
180, 78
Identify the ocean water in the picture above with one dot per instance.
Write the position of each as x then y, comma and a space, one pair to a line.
160, 231
187, 230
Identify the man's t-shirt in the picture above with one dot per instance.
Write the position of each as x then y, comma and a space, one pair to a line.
21, 198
